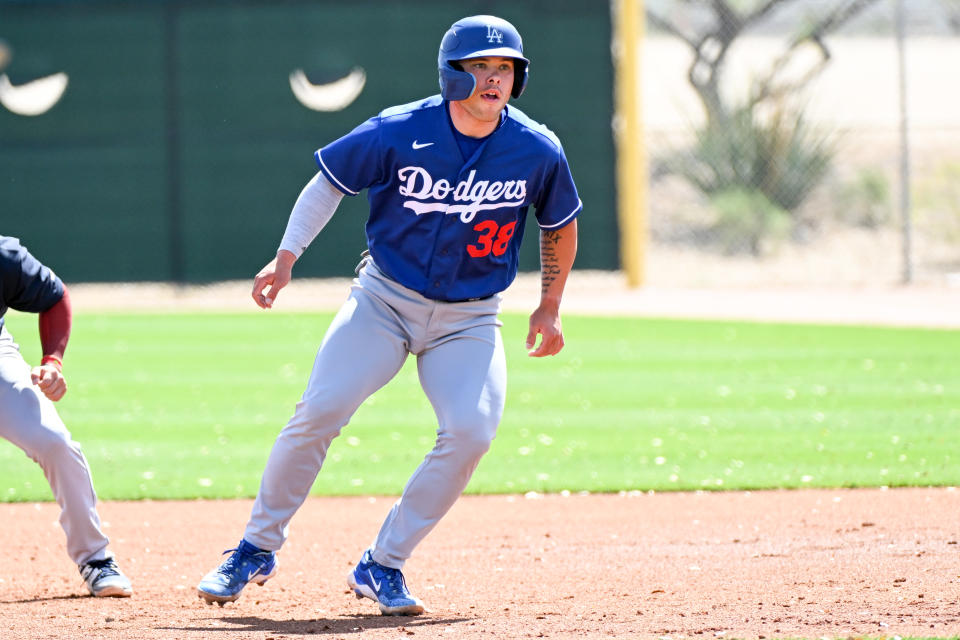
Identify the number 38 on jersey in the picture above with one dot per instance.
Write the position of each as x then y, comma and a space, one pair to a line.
493, 238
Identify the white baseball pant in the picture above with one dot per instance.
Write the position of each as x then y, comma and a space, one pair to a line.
29, 420
462, 369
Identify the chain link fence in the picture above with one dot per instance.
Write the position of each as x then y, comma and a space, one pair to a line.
802, 142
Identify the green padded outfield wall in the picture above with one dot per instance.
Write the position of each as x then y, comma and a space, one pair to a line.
178, 147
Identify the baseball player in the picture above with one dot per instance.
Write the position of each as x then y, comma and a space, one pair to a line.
450, 180
29, 420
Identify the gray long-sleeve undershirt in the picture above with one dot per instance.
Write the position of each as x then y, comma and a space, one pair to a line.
311, 212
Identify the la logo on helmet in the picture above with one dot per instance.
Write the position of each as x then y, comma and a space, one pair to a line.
493, 35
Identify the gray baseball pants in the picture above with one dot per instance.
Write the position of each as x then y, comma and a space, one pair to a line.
29, 420
462, 369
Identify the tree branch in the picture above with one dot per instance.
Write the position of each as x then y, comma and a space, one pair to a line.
765, 89
670, 28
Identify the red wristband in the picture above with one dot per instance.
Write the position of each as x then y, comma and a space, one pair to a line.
52, 359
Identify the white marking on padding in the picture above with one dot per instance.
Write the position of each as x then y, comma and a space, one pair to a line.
332, 96
35, 97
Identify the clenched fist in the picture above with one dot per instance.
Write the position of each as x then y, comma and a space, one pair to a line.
50, 380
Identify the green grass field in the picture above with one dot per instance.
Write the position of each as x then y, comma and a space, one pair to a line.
184, 406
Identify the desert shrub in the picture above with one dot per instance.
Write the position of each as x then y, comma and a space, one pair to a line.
780, 157
937, 203
865, 200
748, 221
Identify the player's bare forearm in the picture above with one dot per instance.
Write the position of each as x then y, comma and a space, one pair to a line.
558, 248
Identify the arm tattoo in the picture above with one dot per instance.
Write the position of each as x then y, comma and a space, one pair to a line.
549, 260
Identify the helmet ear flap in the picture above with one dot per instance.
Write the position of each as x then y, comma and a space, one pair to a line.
456, 85
521, 74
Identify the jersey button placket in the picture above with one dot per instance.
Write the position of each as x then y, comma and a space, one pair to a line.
441, 270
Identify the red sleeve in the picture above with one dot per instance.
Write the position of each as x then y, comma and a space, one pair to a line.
55, 325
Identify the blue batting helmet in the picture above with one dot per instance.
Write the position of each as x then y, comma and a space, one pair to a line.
477, 37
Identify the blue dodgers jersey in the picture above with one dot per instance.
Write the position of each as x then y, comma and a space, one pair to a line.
443, 225
25, 283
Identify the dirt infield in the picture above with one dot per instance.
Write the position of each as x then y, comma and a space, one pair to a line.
811, 564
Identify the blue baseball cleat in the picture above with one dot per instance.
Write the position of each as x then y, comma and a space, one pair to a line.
385, 586
246, 563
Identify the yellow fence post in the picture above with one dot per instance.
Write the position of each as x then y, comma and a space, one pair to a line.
628, 29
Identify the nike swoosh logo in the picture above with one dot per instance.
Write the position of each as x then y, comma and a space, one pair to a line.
32, 98
332, 96
419, 145
252, 574
376, 585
